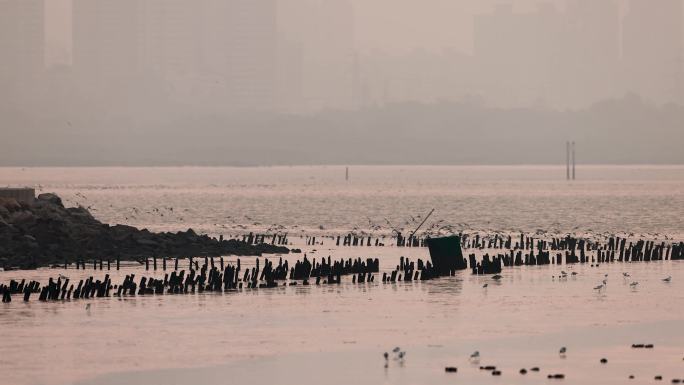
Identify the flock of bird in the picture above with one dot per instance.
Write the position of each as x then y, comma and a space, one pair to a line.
632, 284
474, 359
601, 286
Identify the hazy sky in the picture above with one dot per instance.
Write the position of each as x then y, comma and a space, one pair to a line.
381, 77
395, 26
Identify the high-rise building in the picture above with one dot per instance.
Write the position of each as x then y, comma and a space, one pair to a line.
108, 40
317, 55
591, 52
652, 49
172, 32
207, 51
22, 44
563, 57
246, 49
518, 53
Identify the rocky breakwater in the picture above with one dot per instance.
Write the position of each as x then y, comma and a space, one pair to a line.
45, 232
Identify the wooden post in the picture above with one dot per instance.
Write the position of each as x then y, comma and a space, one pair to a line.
573, 160
567, 160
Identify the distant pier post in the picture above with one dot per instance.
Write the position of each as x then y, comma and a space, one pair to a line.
567, 160
573, 160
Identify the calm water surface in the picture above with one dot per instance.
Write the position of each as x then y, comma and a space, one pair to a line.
336, 334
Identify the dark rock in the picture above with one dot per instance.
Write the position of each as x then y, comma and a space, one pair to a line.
523, 371
46, 232
50, 198
451, 369
604, 361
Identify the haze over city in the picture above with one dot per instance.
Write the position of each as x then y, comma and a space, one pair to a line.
238, 82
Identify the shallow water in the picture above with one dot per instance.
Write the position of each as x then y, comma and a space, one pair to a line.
605, 199
337, 333
520, 321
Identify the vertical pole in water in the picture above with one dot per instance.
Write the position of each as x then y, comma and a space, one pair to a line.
573, 160
567, 160
346, 175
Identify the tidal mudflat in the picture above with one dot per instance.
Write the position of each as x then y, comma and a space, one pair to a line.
338, 333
